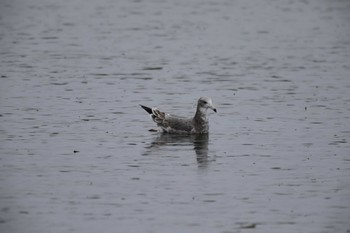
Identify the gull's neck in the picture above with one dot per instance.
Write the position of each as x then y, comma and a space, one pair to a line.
201, 114
200, 121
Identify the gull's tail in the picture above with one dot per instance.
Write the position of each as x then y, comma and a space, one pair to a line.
147, 109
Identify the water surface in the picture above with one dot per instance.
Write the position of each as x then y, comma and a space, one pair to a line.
76, 153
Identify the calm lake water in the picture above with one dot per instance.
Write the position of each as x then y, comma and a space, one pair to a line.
76, 153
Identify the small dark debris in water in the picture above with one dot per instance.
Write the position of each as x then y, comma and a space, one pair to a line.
133, 165
209, 201
152, 68
146, 78
275, 76
153, 130
132, 144
75, 151
85, 119
248, 226
276, 168
305, 108
94, 197
1, 115
59, 84
3, 76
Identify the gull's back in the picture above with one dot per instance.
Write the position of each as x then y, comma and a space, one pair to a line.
175, 124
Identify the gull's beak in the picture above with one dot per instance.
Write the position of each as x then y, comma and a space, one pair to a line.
213, 108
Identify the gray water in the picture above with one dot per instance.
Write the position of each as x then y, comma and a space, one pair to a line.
76, 151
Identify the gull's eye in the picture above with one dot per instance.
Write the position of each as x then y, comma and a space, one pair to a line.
205, 102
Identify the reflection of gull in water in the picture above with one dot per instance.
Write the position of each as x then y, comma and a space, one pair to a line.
199, 141
179, 125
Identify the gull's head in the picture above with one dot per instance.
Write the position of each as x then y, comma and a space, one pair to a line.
205, 103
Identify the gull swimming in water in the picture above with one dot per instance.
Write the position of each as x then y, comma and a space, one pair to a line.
181, 125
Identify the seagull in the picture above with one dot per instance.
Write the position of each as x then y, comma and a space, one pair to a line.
181, 125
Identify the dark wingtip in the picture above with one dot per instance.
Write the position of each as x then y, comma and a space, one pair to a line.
214, 110
147, 109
